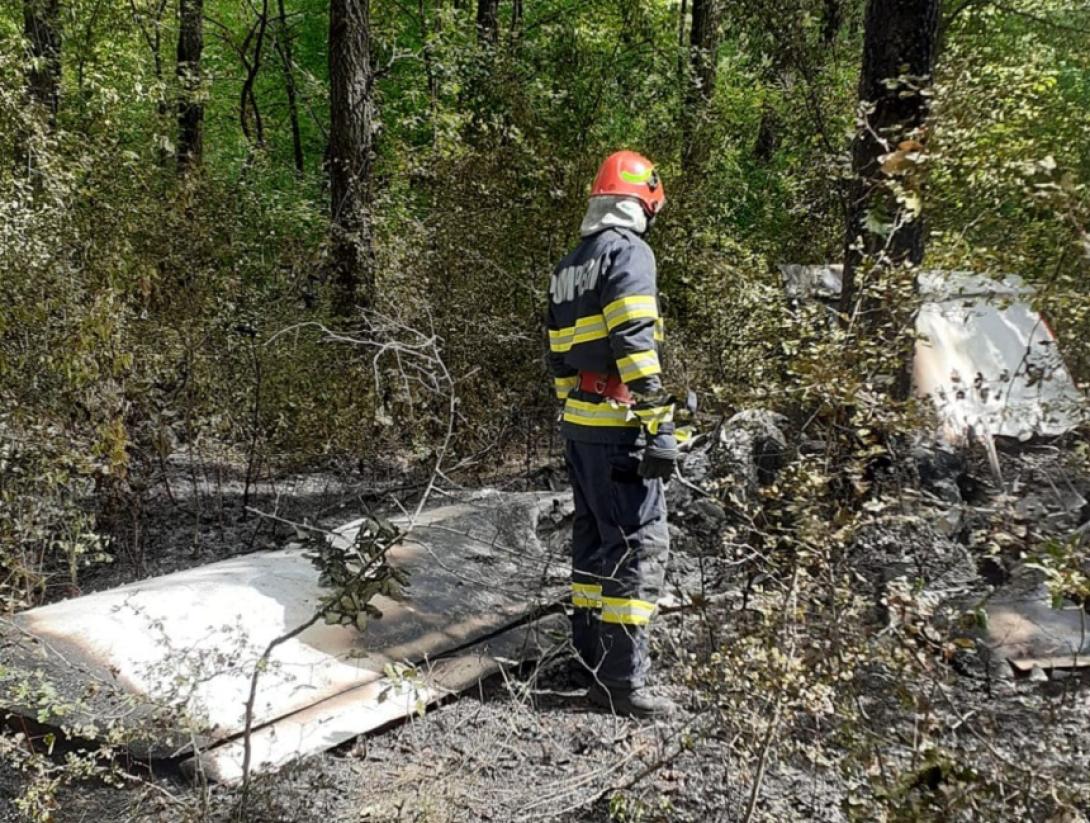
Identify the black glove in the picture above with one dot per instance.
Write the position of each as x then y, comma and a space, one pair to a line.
660, 454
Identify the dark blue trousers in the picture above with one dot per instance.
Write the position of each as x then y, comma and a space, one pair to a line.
620, 544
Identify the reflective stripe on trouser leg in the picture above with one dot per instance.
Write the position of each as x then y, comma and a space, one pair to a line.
630, 515
632, 581
586, 585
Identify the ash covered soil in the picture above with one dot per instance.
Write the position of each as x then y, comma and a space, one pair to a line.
526, 746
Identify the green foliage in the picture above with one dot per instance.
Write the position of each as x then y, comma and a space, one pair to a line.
482, 169
1009, 163
80, 741
44, 523
354, 573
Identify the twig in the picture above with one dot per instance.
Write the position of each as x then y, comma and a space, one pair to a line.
427, 348
247, 748
277, 519
762, 762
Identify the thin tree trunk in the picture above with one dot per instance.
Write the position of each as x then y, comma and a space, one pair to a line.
831, 18
683, 9
703, 46
429, 62
703, 38
153, 37
41, 27
350, 148
768, 135
282, 41
247, 99
85, 51
190, 107
488, 22
885, 230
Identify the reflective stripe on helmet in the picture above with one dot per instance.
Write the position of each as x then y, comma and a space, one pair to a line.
637, 177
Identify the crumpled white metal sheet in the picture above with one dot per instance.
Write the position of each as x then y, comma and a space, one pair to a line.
1025, 626
191, 639
986, 358
373, 705
989, 361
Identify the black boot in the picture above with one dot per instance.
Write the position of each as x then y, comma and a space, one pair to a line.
639, 702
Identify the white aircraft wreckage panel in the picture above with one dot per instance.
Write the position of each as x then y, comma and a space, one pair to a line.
989, 361
371, 706
1025, 628
986, 358
190, 640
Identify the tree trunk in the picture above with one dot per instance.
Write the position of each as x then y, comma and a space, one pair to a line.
703, 45
247, 106
885, 229
41, 27
681, 12
426, 51
350, 147
153, 37
768, 135
283, 49
190, 107
830, 21
488, 22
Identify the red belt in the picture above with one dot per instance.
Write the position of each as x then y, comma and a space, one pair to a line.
607, 385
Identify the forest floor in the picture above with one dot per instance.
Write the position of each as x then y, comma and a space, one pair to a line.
526, 746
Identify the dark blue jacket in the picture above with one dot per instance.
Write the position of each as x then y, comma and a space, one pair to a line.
604, 317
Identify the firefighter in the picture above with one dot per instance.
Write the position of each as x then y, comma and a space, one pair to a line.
618, 423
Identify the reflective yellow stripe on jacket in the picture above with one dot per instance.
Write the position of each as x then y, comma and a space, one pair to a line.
584, 413
654, 416
635, 307
585, 330
563, 385
639, 364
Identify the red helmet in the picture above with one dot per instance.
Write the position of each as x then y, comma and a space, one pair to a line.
628, 173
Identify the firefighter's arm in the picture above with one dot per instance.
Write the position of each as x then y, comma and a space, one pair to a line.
565, 378
630, 308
